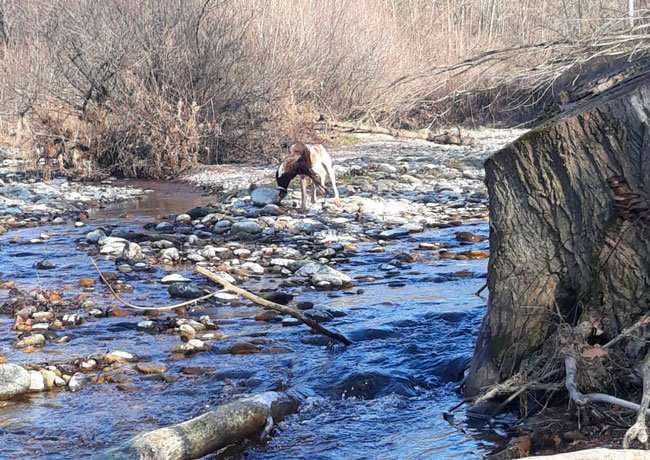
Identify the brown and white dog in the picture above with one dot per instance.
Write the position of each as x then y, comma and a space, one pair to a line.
309, 161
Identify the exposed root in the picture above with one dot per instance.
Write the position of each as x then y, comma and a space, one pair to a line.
582, 399
639, 430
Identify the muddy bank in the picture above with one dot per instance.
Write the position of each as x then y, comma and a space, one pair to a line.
394, 269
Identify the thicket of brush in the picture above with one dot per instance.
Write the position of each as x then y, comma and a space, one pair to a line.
153, 87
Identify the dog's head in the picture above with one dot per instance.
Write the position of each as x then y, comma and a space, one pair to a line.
282, 179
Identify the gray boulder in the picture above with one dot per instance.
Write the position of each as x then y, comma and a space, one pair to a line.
14, 380
262, 196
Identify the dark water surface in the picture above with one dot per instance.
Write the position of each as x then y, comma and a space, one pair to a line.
383, 397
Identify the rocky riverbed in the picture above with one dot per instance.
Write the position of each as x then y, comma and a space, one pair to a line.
28, 201
394, 269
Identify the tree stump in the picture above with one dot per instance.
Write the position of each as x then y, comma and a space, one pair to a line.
569, 231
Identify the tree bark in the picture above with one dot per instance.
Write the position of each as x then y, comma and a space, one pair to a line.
569, 238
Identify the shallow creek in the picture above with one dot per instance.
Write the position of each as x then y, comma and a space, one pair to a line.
383, 397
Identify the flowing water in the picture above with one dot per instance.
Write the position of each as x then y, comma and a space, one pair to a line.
383, 397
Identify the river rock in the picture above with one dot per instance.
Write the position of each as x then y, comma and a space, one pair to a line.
164, 227
112, 246
310, 226
319, 273
174, 278
14, 380
170, 254
271, 210
151, 368
49, 378
118, 357
222, 226
245, 227
35, 340
183, 219
45, 265
94, 236
263, 196
184, 291
36, 381
77, 381
253, 267
133, 252
242, 348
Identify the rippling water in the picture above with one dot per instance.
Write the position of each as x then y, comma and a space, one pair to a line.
382, 397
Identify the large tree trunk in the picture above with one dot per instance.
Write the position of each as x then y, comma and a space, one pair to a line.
566, 245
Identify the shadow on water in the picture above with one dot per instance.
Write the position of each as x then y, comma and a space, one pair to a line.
382, 397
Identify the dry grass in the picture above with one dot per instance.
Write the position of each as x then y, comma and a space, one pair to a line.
154, 87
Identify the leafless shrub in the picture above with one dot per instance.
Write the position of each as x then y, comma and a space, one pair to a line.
153, 87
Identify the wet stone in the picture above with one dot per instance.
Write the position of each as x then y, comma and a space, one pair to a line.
184, 291
243, 348
151, 368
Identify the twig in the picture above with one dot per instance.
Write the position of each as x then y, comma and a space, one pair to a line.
142, 307
272, 305
642, 322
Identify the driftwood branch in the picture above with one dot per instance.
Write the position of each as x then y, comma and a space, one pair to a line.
272, 305
128, 304
227, 424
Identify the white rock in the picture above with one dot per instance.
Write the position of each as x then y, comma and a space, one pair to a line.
174, 278
253, 268
77, 382
36, 381
14, 380
119, 357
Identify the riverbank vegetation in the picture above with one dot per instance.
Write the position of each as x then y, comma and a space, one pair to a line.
151, 88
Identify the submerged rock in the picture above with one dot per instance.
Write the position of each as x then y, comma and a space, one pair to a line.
184, 291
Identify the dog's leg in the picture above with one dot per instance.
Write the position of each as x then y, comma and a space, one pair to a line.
330, 172
303, 191
313, 192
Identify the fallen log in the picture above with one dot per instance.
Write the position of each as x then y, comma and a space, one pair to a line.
421, 134
597, 454
227, 424
272, 305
